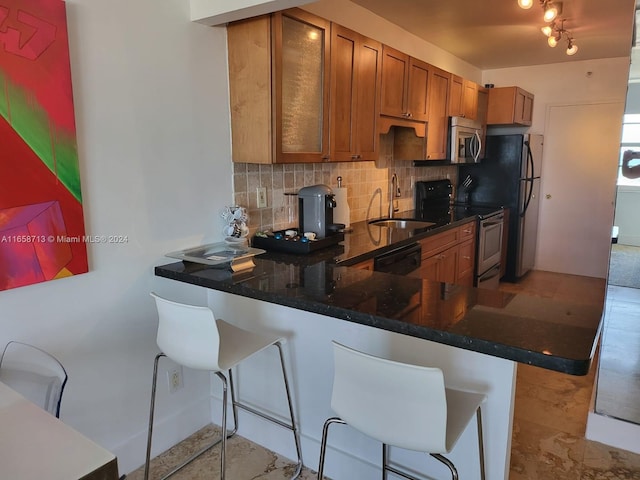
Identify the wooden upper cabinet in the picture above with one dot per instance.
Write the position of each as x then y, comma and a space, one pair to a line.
456, 92
301, 81
279, 88
470, 100
405, 86
354, 93
509, 106
418, 91
437, 128
463, 98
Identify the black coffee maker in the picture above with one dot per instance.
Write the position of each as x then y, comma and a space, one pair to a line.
315, 210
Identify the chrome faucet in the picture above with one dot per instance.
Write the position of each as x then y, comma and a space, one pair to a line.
394, 191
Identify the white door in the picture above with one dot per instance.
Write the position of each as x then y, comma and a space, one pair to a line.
580, 166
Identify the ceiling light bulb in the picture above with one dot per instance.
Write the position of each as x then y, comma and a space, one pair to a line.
572, 48
550, 12
525, 4
552, 41
547, 30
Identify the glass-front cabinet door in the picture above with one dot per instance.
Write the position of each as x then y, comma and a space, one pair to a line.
301, 81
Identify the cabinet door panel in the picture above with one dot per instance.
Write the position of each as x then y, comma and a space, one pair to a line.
302, 83
368, 96
448, 265
455, 96
466, 259
418, 93
470, 99
343, 78
437, 128
395, 68
355, 89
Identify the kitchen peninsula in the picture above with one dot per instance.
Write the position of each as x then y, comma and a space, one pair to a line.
476, 336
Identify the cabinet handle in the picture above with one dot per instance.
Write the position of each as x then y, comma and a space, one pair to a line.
466, 257
326, 158
354, 157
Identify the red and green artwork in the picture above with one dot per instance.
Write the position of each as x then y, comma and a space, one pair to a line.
42, 234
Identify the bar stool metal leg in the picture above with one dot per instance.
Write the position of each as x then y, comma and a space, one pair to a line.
223, 448
294, 428
235, 404
480, 443
323, 443
151, 411
448, 463
150, 430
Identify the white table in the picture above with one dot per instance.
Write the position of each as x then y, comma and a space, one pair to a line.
34, 444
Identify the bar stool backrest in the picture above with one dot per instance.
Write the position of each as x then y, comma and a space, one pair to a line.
395, 403
35, 374
188, 334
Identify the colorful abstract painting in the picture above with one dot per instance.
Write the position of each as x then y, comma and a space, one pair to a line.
42, 234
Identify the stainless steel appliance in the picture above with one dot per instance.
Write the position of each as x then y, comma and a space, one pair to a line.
316, 204
489, 250
401, 261
509, 177
466, 139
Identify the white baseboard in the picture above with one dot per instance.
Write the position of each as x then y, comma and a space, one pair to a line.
613, 432
631, 240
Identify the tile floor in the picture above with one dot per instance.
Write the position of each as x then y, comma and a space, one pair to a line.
549, 421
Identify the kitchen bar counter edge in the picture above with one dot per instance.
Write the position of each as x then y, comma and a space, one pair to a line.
220, 280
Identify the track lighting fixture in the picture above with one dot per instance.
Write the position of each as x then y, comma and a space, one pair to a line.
551, 10
555, 30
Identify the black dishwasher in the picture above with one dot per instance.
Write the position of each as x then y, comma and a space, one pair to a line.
401, 261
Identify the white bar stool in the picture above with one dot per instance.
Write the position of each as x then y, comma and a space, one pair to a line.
402, 405
193, 337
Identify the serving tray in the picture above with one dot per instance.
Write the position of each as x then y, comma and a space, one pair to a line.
219, 255
271, 243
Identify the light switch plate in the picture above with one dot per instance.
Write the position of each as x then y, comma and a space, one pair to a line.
261, 193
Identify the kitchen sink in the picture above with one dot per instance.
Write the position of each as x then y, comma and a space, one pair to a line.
401, 223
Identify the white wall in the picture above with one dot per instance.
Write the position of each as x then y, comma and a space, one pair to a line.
153, 139
587, 82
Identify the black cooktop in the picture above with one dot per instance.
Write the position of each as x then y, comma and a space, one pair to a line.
453, 213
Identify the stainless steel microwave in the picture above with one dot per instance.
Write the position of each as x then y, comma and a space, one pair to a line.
467, 141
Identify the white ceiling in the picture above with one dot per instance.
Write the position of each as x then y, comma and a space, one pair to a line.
497, 33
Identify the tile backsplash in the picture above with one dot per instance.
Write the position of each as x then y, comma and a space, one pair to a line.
367, 186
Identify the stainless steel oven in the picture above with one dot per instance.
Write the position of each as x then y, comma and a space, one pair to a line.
489, 246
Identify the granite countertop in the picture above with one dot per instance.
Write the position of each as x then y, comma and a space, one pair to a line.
547, 333
365, 240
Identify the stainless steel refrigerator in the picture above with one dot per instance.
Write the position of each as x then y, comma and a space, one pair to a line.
509, 176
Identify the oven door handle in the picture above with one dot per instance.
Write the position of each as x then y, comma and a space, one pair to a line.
491, 224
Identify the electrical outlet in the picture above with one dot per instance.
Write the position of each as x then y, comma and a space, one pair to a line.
261, 193
174, 378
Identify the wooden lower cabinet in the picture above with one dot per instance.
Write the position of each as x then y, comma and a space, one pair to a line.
440, 267
466, 263
449, 257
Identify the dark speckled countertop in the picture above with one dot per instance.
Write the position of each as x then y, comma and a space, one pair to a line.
537, 331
